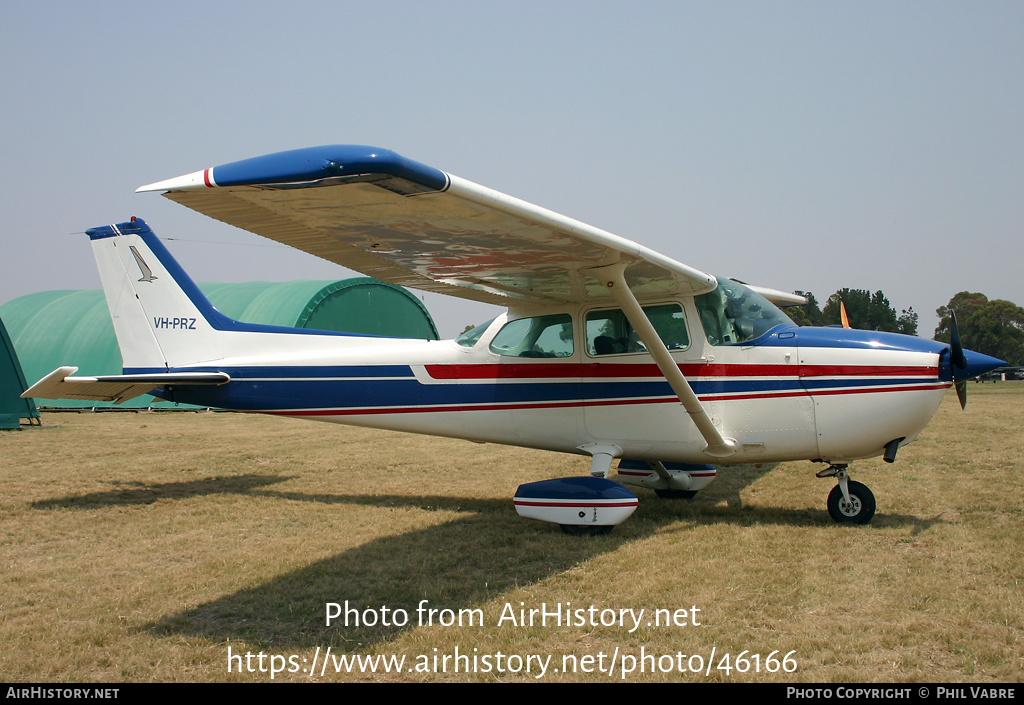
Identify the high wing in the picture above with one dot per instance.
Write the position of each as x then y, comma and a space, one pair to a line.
409, 224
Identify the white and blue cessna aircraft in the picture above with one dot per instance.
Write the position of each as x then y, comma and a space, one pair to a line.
607, 348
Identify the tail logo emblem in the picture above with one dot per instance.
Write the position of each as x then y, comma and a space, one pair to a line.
147, 273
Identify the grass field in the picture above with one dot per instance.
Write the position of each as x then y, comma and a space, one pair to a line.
144, 547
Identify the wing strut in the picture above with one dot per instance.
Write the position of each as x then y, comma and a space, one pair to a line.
613, 276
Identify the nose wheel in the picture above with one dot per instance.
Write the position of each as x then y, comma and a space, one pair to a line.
849, 502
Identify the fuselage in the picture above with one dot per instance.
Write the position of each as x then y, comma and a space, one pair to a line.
562, 378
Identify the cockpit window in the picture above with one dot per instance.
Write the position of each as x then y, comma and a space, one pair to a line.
469, 338
733, 313
540, 336
609, 333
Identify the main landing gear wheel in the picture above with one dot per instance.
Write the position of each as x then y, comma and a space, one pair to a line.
676, 494
858, 510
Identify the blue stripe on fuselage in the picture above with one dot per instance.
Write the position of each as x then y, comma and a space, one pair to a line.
384, 386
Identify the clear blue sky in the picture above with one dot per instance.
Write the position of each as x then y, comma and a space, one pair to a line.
872, 145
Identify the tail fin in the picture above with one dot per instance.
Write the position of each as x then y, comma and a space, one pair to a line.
163, 321
161, 318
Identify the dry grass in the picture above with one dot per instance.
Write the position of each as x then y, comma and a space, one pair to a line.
139, 547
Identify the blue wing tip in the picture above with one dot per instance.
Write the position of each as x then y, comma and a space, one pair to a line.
336, 160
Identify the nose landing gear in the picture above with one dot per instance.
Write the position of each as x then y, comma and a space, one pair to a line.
849, 502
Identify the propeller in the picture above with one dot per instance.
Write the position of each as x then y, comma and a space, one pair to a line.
966, 364
958, 361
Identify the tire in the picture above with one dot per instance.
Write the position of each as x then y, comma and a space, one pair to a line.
676, 494
860, 509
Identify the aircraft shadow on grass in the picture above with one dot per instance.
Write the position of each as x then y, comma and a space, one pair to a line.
131, 493
456, 565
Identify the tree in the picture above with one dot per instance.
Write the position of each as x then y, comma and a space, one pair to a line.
857, 303
881, 316
869, 311
965, 304
907, 322
864, 309
809, 314
993, 328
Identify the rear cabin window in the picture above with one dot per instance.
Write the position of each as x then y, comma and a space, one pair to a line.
469, 338
610, 333
540, 336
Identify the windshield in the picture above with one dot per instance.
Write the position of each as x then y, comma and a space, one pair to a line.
733, 313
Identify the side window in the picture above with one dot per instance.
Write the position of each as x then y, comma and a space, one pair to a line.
469, 338
541, 336
670, 323
610, 333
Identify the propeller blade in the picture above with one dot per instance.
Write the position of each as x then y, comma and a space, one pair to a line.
963, 368
957, 350
961, 393
957, 360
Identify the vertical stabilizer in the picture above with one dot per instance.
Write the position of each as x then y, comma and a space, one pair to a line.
160, 317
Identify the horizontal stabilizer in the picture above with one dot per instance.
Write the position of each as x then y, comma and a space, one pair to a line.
116, 388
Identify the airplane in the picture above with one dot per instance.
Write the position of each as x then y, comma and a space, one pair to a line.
606, 349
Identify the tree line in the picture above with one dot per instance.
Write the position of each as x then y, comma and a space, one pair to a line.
864, 310
993, 327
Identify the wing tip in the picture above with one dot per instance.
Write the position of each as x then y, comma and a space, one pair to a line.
196, 180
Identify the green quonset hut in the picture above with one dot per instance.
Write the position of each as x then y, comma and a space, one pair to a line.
12, 383
54, 328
